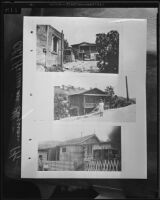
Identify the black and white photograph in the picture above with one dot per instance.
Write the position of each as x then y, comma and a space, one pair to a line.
82, 148
101, 100
77, 45
88, 116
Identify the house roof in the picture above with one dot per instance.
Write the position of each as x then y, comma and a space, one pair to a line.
47, 145
84, 44
87, 92
78, 141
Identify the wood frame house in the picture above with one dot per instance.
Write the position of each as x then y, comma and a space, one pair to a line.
50, 45
78, 150
85, 50
84, 102
79, 153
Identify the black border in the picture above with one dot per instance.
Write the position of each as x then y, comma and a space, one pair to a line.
74, 4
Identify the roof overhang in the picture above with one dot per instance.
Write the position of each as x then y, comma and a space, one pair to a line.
98, 95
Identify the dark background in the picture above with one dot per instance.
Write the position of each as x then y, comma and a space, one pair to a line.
16, 188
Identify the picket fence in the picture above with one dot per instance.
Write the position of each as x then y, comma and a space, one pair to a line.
105, 165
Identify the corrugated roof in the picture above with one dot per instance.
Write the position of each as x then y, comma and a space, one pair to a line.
77, 141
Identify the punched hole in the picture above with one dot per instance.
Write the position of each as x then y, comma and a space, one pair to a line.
29, 139
29, 158
31, 31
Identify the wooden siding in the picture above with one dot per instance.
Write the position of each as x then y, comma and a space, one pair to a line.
77, 101
74, 153
84, 102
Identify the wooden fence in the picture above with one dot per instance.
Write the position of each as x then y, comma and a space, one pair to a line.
60, 165
105, 165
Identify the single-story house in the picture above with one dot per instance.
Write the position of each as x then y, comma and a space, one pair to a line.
80, 150
85, 51
50, 45
84, 102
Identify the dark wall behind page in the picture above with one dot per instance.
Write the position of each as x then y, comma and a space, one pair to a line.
13, 34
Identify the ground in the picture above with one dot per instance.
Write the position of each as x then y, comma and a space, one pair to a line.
81, 66
124, 114
76, 66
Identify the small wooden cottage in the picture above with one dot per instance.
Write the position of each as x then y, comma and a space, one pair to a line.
74, 154
84, 102
85, 51
50, 43
77, 150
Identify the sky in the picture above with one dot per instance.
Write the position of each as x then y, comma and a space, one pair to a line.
80, 29
100, 81
70, 130
109, 13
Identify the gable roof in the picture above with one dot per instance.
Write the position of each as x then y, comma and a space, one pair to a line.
78, 141
90, 92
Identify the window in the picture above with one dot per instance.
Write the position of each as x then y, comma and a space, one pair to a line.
64, 149
54, 44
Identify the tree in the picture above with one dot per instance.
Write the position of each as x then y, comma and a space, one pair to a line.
110, 93
60, 107
108, 49
115, 137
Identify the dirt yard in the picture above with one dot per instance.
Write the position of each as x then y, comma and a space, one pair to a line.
81, 66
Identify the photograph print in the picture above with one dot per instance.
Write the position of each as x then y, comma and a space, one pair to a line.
100, 99
77, 45
81, 148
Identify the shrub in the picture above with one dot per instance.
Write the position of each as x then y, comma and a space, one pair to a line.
108, 49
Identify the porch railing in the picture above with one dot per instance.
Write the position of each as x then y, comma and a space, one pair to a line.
90, 105
105, 165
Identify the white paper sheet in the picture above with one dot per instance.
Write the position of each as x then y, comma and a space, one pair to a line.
38, 122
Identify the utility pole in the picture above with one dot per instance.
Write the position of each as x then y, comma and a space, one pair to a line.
127, 89
62, 44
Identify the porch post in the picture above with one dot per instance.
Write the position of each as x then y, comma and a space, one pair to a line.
84, 104
62, 41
